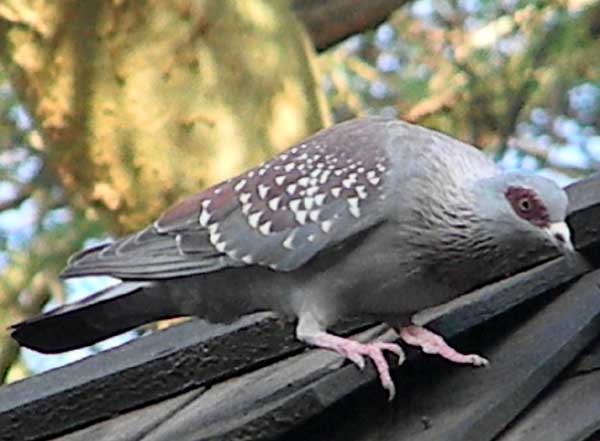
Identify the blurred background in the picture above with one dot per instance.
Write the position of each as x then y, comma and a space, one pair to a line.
112, 110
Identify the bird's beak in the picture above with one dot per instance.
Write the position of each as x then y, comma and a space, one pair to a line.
560, 235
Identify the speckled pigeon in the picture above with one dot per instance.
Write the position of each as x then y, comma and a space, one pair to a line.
372, 218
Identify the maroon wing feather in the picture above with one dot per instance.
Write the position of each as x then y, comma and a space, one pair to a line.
279, 214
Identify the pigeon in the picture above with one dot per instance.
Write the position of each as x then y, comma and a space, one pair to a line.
372, 218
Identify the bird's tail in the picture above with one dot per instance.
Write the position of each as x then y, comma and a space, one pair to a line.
106, 313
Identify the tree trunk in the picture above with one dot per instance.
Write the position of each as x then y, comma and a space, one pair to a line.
140, 103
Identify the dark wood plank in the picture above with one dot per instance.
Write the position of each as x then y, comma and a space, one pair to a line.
124, 382
271, 401
483, 304
584, 207
136, 424
229, 403
570, 412
460, 404
465, 404
140, 372
247, 407
191, 355
589, 361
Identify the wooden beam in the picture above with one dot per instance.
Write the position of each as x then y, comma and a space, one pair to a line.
193, 355
570, 412
306, 397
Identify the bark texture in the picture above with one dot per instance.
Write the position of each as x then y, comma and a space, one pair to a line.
142, 102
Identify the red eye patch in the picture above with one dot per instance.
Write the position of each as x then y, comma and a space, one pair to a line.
527, 205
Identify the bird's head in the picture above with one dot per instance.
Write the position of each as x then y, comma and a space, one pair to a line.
526, 208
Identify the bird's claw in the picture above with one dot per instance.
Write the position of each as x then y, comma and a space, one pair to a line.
431, 343
356, 353
478, 360
357, 359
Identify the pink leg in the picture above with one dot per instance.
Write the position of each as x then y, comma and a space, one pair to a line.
431, 343
356, 351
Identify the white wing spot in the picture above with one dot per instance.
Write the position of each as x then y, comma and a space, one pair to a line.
326, 226
311, 191
178, 242
204, 218
304, 181
245, 197
311, 237
347, 183
374, 181
320, 198
309, 202
265, 228
206, 203
301, 216
279, 180
295, 204
240, 185
291, 189
215, 238
247, 259
336, 191
254, 218
288, 242
314, 215
263, 190
289, 166
274, 203
324, 177
353, 207
361, 191
246, 208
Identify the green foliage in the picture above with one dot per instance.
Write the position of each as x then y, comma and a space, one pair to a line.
476, 73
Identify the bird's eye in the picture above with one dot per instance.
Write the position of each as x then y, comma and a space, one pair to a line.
527, 205
524, 205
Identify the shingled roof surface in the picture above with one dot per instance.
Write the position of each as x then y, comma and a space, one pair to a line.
252, 380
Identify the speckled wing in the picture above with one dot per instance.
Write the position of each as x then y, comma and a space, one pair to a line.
279, 214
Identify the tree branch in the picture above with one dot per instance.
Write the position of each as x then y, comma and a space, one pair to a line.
330, 21
23, 194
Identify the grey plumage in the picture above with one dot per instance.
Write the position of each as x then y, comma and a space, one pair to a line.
372, 217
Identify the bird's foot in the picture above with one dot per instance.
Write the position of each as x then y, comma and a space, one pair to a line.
431, 343
356, 352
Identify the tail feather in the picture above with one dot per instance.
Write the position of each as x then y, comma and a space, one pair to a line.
102, 315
